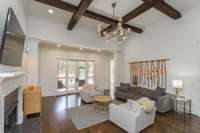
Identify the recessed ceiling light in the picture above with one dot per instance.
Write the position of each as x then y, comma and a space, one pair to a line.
50, 11
81, 48
58, 45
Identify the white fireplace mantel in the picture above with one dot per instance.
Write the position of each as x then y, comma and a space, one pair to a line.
5, 75
9, 81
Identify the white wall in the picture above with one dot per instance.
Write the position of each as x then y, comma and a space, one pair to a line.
18, 8
31, 61
176, 40
56, 31
53, 28
48, 66
49, 28
118, 67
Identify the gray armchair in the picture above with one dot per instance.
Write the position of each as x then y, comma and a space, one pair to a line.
163, 103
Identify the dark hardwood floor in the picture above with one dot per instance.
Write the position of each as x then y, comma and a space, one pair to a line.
55, 120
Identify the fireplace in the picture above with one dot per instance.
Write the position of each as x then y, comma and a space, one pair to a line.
10, 110
11, 100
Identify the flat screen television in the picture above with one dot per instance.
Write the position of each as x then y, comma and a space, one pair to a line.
12, 45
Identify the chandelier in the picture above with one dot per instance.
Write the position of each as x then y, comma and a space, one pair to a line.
117, 33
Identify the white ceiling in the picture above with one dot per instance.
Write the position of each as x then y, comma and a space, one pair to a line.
104, 7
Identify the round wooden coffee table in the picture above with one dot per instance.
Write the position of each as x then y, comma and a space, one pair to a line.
101, 103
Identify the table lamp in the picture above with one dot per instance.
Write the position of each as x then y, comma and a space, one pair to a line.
177, 84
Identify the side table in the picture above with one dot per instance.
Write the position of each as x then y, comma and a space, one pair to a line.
181, 102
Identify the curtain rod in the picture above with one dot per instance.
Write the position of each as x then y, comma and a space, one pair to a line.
149, 61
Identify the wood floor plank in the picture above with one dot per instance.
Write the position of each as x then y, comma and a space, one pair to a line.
55, 120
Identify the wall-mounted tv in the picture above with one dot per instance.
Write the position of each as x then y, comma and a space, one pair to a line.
12, 45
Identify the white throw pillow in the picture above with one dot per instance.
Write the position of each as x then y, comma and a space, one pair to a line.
89, 87
147, 104
93, 93
100, 89
134, 105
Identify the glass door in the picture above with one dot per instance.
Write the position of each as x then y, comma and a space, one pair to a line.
74, 74
90, 73
82, 71
62, 75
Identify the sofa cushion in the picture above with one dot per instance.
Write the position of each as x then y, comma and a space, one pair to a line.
124, 87
124, 95
158, 92
146, 92
134, 89
136, 96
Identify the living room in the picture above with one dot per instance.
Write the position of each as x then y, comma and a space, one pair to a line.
91, 62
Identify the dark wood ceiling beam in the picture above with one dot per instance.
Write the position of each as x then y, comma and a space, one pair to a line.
108, 20
60, 4
84, 4
148, 4
134, 13
168, 10
165, 8
90, 14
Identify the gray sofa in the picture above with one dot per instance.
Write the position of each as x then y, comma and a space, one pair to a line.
135, 93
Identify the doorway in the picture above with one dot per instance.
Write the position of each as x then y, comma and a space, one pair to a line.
73, 74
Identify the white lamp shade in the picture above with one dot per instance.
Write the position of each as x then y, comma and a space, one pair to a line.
177, 83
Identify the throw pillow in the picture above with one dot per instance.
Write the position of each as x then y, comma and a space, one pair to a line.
158, 92
124, 87
147, 104
100, 89
134, 105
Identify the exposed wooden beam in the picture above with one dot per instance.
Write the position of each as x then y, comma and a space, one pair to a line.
108, 20
168, 10
59, 4
165, 8
158, 4
134, 13
90, 14
84, 4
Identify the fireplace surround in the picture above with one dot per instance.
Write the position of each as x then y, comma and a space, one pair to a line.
11, 84
10, 110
